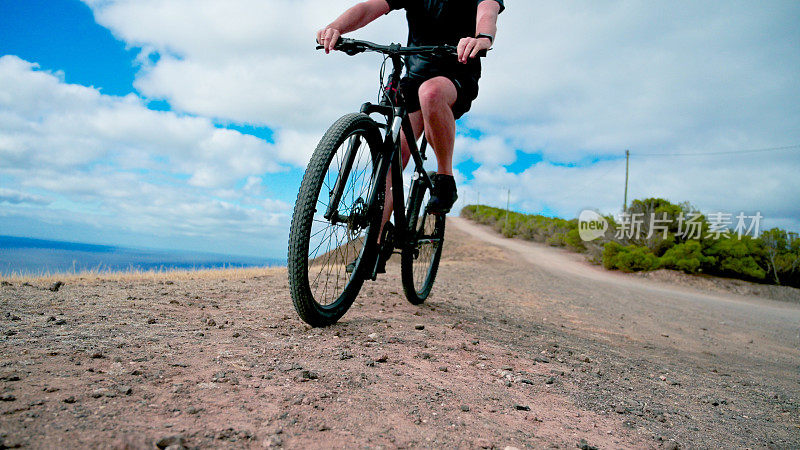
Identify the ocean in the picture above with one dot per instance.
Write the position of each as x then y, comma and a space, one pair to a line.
27, 256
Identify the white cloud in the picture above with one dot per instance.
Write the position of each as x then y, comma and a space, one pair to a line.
15, 197
108, 160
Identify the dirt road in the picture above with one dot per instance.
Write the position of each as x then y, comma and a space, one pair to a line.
520, 345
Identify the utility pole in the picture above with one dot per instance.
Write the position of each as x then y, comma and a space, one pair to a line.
625, 201
508, 201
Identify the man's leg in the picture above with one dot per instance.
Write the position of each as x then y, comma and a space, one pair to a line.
436, 98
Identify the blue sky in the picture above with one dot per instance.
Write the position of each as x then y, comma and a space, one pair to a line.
186, 124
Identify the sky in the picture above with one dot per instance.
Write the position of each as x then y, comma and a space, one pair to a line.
187, 124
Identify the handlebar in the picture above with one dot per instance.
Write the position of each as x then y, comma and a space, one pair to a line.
354, 47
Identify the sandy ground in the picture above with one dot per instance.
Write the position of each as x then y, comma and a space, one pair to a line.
520, 345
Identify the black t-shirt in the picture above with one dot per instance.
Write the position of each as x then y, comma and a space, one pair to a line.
437, 22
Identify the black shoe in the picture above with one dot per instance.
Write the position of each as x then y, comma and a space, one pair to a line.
384, 253
443, 195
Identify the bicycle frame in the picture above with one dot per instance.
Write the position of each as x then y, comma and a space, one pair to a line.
390, 158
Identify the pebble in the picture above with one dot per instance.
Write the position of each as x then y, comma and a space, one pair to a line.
7, 398
419, 327
541, 359
70, 399
309, 375
56, 286
151, 320
550, 380
583, 445
522, 407
97, 393
169, 441
97, 355
125, 390
465, 408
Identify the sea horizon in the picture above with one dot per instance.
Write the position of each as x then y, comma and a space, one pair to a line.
24, 256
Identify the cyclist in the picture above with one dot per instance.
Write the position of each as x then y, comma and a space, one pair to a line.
437, 90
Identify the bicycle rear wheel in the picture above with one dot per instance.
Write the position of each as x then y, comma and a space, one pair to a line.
320, 249
422, 252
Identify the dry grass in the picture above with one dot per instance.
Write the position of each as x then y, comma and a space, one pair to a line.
148, 275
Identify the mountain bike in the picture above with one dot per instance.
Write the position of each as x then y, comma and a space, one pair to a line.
333, 240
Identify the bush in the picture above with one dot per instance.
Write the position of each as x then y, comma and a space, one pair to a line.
629, 259
687, 257
736, 258
574, 241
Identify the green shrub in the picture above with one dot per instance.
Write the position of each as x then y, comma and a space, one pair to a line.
687, 257
629, 259
556, 240
735, 258
574, 241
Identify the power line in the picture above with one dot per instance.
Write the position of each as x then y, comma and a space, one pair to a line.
759, 150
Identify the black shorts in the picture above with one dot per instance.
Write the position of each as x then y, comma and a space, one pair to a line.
466, 89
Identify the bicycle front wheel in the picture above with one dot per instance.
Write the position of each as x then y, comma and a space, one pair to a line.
422, 252
327, 256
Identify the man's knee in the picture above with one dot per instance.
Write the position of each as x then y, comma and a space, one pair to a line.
437, 92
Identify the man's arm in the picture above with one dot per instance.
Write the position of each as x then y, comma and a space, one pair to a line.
486, 24
354, 18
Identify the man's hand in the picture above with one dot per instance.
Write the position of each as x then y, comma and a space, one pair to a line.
469, 47
328, 37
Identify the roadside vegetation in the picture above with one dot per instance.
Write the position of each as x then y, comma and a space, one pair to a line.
771, 258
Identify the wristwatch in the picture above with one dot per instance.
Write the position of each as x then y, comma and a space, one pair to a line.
487, 36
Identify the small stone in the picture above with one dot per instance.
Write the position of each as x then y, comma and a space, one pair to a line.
7, 398
9, 377
15, 318
192, 410
583, 445
97, 393
541, 359
525, 381
550, 380
169, 441
126, 390
56, 286
419, 327
70, 399
383, 358
151, 320
465, 408
672, 445
620, 409
309, 375
236, 334
522, 407
61, 322
97, 355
